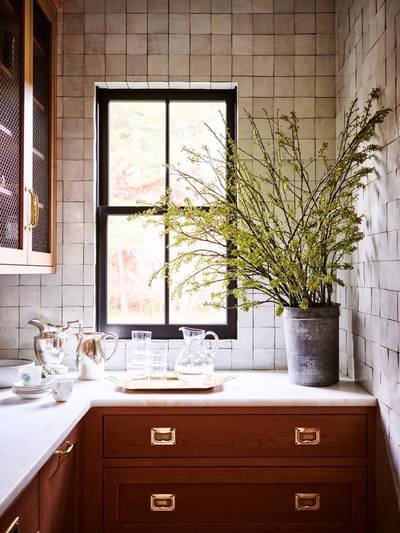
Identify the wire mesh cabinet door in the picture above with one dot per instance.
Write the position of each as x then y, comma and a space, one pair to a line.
43, 158
13, 237
27, 136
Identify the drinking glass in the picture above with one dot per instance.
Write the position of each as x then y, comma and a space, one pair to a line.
136, 363
158, 359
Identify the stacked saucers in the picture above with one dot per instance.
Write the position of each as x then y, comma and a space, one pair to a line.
30, 392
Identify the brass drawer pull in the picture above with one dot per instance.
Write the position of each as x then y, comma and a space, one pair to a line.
13, 527
162, 502
307, 501
163, 436
68, 449
307, 436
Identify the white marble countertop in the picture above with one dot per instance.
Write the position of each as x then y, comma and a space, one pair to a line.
30, 430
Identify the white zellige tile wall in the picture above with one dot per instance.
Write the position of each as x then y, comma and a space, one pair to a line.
281, 55
368, 56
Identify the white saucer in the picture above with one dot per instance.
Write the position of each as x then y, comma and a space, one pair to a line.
30, 395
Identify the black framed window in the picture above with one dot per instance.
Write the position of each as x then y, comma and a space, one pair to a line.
140, 137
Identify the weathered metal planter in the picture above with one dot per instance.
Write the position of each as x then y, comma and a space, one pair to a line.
312, 345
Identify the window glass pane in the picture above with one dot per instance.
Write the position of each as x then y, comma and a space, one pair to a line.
137, 152
190, 307
188, 128
135, 249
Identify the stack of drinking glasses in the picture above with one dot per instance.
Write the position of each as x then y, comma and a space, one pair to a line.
147, 358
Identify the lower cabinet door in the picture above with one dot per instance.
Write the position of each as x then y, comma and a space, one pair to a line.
23, 515
194, 500
59, 488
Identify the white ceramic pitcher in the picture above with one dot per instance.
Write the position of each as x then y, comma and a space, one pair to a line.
91, 355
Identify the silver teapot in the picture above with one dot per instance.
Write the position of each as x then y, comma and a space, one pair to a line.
51, 344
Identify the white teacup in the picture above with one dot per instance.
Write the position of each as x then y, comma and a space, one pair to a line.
30, 375
62, 389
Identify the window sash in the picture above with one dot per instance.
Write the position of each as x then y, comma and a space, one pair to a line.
104, 96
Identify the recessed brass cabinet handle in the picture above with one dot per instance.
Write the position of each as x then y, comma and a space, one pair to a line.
68, 449
163, 436
307, 436
305, 501
162, 502
13, 527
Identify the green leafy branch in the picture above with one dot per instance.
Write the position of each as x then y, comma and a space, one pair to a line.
289, 235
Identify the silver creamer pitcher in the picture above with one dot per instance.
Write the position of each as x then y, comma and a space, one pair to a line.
91, 354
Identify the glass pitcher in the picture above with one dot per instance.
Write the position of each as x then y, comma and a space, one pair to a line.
195, 363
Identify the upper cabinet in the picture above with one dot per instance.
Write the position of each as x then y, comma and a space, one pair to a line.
27, 136
12, 235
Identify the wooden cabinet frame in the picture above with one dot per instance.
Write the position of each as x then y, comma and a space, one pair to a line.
24, 259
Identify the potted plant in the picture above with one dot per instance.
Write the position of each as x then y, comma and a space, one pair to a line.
280, 228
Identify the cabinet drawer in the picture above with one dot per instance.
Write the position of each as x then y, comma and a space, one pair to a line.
239, 499
297, 435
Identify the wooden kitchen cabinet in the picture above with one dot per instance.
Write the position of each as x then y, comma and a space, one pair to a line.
60, 485
27, 136
253, 470
196, 469
23, 515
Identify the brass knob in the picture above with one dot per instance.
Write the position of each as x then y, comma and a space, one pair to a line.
307, 436
307, 501
163, 436
162, 502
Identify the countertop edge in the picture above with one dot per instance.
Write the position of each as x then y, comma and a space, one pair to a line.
238, 403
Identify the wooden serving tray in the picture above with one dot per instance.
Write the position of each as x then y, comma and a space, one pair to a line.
170, 383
